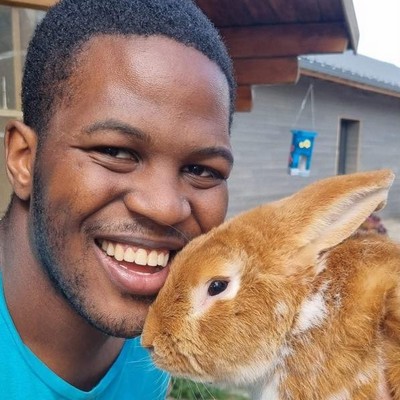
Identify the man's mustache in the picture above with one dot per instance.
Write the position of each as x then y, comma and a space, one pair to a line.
141, 226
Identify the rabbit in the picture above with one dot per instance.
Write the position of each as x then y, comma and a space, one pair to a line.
287, 299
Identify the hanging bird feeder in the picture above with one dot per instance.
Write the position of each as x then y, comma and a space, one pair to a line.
301, 149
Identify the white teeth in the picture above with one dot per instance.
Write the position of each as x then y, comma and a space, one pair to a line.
119, 252
110, 249
152, 258
129, 255
166, 258
140, 257
160, 259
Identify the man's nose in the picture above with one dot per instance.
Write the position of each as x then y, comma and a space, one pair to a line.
160, 198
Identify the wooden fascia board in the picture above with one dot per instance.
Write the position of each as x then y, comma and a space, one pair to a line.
347, 82
351, 23
285, 40
266, 71
38, 4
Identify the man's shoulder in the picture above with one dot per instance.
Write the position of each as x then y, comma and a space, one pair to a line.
132, 376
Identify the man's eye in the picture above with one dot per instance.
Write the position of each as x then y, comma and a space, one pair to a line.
203, 172
117, 152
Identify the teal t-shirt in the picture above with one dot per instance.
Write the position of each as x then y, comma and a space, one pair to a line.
23, 376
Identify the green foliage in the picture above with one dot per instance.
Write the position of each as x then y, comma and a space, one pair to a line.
184, 389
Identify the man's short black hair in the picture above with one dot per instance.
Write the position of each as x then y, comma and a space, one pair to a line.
71, 23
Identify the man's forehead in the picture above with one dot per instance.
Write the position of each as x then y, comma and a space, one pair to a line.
140, 62
154, 77
157, 49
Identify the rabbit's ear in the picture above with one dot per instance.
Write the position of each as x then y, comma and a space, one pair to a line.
330, 210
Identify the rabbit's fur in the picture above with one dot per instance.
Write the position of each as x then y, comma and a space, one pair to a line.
311, 310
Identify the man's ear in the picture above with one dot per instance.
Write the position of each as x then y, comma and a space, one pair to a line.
20, 143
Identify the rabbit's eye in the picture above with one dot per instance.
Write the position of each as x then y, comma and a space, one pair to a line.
216, 287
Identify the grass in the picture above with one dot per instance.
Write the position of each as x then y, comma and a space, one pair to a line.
184, 389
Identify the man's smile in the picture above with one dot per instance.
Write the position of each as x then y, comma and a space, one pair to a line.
137, 255
134, 268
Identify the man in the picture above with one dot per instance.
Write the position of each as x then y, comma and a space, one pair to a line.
122, 158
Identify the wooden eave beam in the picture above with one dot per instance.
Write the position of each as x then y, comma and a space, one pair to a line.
263, 71
37, 4
259, 71
244, 99
285, 39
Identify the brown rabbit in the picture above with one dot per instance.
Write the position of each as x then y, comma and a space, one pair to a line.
286, 300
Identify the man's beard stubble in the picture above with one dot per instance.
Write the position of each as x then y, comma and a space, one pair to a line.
47, 239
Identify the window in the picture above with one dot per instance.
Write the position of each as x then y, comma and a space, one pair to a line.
16, 28
348, 146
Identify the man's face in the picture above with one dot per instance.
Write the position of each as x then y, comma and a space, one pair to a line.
134, 165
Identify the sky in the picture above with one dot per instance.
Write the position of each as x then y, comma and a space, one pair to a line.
379, 25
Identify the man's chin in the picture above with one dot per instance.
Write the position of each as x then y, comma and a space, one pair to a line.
126, 327
122, 330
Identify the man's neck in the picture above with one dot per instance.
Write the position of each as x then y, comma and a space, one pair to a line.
62, 339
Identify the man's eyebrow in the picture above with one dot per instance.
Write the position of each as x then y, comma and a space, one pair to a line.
129, 130
115, 125
215, 152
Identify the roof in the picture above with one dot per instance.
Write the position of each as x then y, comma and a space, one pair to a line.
265, 37
353, 68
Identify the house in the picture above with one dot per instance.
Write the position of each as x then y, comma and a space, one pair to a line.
264, 38
351, 101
